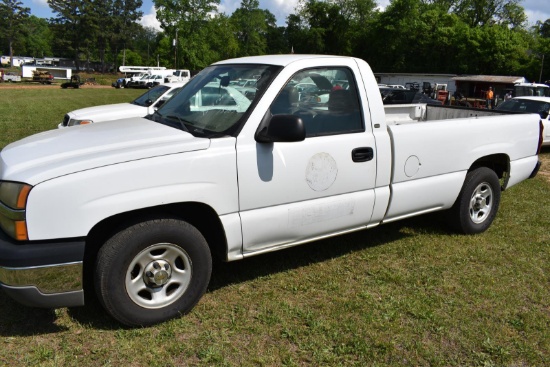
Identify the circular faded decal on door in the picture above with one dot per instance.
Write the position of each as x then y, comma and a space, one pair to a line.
412, 165
321, 171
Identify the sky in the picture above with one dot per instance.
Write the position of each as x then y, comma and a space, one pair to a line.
534, 9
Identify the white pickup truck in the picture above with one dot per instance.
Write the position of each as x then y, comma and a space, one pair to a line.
178, 76
11, 77
135, 209
142, 106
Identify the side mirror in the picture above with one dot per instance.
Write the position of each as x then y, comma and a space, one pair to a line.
160, 103
281, 129
544, 115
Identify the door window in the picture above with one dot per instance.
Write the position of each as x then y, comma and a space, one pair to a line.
325, 99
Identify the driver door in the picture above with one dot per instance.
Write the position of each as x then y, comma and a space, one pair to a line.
295, 192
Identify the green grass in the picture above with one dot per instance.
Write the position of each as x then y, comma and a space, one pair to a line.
407, 293
26, 111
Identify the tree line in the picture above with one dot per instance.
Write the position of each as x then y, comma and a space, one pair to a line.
436, 36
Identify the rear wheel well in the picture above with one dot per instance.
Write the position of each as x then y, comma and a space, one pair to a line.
199, 215
499, 163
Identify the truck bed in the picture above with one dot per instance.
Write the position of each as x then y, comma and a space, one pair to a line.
407, 113
434, 146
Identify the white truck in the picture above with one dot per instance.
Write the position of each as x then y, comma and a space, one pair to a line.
133, 73
142, 106
135, 209
531, 104
178, 76
11, 77
149, 79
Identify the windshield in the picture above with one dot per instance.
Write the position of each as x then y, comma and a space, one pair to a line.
532, 91
210, 105
150, 97
525, 105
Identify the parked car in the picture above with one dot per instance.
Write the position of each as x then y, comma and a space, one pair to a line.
142, 106
540, 105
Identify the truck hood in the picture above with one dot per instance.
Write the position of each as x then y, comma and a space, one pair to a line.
109, 112
61, 152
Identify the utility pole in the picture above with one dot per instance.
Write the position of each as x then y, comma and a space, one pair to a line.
175, 43
541, 66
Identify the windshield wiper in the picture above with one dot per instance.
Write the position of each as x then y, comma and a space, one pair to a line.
181, 121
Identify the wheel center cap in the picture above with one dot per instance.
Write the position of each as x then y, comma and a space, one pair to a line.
479, 202
157, 273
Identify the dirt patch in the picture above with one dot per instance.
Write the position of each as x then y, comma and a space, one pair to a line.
27, 85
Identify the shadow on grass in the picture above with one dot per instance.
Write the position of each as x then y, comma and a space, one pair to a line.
19, 320
224, 274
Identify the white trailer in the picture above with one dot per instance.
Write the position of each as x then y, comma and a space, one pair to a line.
57, 72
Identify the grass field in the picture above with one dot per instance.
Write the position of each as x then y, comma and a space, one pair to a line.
408, 293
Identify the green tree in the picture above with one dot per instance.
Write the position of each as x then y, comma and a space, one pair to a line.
13, 17
513, 15
145, 42
223, 41
484, 12
396, 39
324, 26
188, 20
38, 42
296, 33
541, 34
251, 28
128, 57
75, 26
118, 24
543, 29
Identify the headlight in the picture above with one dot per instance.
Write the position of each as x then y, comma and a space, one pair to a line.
13, 201
14, 194
80, 122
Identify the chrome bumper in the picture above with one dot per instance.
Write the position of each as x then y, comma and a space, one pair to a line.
42, 274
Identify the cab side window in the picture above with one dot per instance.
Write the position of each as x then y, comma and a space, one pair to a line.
326, 99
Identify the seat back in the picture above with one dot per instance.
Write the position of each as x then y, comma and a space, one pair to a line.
285, 101
342, 116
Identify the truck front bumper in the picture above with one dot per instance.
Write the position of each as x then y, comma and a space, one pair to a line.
42, 273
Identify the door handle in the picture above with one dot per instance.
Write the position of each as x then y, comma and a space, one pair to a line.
363, 154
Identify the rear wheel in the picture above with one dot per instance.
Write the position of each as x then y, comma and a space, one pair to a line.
478, 202
152, 271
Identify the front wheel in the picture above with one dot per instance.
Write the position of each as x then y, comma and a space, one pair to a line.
478, 202
152, 271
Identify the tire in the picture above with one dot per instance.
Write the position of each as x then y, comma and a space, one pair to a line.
152, 271
477, 204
